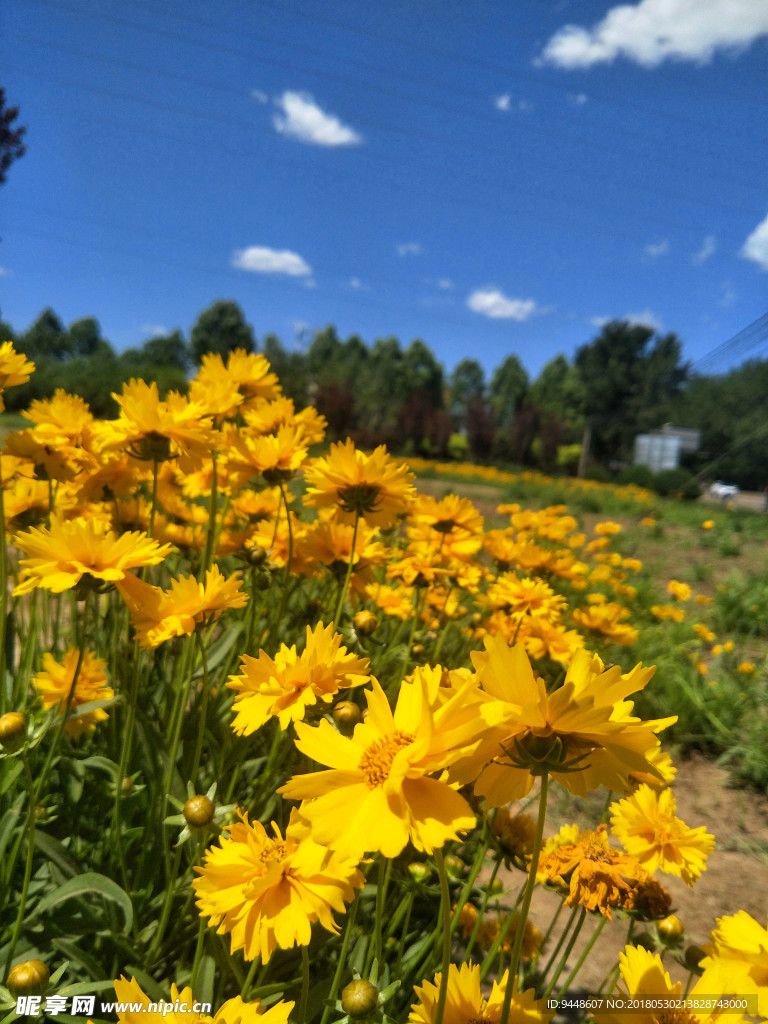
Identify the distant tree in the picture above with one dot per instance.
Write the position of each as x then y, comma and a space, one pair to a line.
290, 367
46, 338
324, 356
381, 393
11, 145
509, 386
629, 383
559, 390
422, 373
168, 350
466, 385
480, 427
220, 328
85, 338
7, 333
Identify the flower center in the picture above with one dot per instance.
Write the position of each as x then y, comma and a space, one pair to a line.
273, 851
360, 498
376, 762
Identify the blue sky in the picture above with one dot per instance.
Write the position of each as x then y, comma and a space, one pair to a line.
491, 177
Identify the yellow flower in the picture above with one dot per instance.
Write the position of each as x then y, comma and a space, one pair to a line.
524, 596
680, 591
598, 877
267, 892
158, 615
746, 668
149, 428
708, 524
15, 369
645, 979
377, 794
607, 529
648, 829
286, 685
130, 996
54, 683
275, 456
740, 945
668, 611
465, 1001
583, 734
647, 521
373, 486
81, 549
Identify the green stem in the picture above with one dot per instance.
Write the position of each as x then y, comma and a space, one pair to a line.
445, 901
527, 897
202, 713
249, 978
3, 593
289, 558
30, 830
580, 962
165, 912
304, 998
348, 577
201, 929
212, 514
568, 949
351, 916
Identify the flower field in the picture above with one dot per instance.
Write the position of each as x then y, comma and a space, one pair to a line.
279, 732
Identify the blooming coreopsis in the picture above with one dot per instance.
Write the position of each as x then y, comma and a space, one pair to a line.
583, 734
740, 945
54, 684
74, 549
373, 486
15, 369
286, 685
377, 794
134, 1007
158, 615
465, 1000
648, 829
645, 980
267, 891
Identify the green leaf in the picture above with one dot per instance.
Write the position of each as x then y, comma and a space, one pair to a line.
7, 824
81, 885
73, 952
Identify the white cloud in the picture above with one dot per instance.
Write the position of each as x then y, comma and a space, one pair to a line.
493, 303
756, 246
645, 319
707, 249
655, 249
577, 99
155, 330
5, 272
445, 284
409, 249
728, 296
259, 96
261, 260
505, 103
652, 31
302, 119
357, 285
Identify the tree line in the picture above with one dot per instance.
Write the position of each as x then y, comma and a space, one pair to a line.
625, 381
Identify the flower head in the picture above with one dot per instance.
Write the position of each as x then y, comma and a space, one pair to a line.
15, 369
54, 684
74, 549
465, 1001
377, 794
740, 945
286, 685
372, 486
648, 829
266, 891
136, 1008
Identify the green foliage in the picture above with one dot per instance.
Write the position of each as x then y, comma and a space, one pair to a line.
458, 447
221, 328
628, 383
640, 475
509, 387
741, 605
678, 482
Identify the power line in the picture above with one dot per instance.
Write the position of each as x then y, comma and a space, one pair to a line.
750, 337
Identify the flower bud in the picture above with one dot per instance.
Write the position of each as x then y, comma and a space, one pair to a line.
13, 730
256, 555
365, 622
693, 957
671, 928
360, 998
29, 978
346, 715
417, 650
198, 811
454, 866
419, 871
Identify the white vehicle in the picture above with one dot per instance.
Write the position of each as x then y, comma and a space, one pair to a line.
723, 491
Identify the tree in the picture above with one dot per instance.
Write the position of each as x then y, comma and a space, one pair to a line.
509, 386
629, 383
168, 350
467, 384
85, 338
221, 328
46, 338
11, 144
559, 390
422, 373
